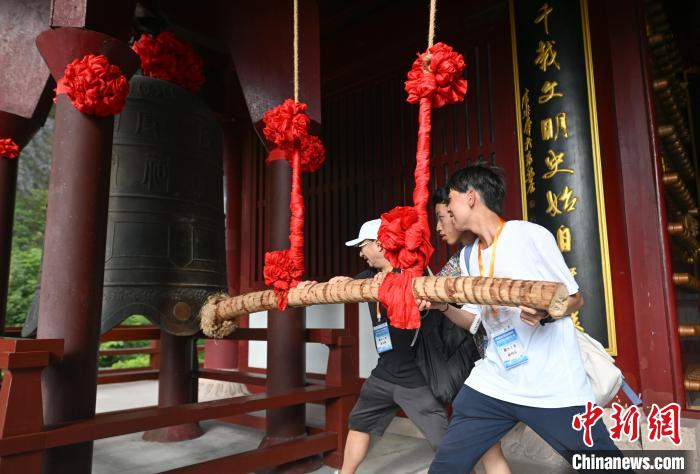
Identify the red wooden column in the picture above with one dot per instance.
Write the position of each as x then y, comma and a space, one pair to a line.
177, 385
70, 299
653, 298
223, 354
22, 78
265, 84
286, 345
20, 130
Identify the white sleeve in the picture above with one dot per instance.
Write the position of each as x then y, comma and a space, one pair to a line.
551, 262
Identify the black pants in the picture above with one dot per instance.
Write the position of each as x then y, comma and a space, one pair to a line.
380, 400
479, 421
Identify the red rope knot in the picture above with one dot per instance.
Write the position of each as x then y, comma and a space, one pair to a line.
283, 271
405, 237
171, 59
437, 75
286, 125
8, 148
94, 86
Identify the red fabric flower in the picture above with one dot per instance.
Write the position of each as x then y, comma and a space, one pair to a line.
283, 273
94, 86
171, 59
313, 154
405, 239
442, 83
8, 148
286, 125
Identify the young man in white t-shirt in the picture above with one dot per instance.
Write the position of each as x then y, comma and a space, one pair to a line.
531, 372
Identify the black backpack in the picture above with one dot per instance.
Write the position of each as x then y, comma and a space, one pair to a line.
446, 354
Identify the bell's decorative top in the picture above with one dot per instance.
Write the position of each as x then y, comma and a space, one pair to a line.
171, 59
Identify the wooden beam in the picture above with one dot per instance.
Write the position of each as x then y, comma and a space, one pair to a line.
116, 423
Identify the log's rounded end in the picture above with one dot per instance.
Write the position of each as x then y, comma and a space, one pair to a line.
559, 303
211, 325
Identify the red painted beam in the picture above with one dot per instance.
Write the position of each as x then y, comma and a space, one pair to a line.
260, 40
132, 333
329, 337
23, 74
116, 423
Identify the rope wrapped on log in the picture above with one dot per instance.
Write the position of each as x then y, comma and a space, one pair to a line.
219, 314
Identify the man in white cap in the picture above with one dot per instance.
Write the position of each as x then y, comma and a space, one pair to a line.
397, 381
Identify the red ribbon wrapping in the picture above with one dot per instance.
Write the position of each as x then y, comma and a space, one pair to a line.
171, 59
284, 269
287, 127
8, 148
435, 79
94, 86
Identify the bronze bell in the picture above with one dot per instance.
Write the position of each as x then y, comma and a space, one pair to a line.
165, 232
165, 236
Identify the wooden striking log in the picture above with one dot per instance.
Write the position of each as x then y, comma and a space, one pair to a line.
219, 315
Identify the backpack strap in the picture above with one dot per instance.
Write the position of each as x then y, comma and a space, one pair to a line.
633, 397
464, 254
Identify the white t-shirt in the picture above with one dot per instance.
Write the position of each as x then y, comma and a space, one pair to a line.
553, 376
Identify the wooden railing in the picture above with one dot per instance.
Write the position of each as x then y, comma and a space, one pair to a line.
124, 334
23, 437
131, 333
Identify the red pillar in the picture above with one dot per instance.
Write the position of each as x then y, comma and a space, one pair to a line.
265, 85
70, 299
648, 246
20, 130
176, 385
8, 189
286, 347
223, 354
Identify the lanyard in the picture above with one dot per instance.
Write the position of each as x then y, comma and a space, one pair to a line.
493, 255
493, 252
379, 313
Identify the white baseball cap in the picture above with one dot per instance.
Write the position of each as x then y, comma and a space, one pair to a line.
368, 231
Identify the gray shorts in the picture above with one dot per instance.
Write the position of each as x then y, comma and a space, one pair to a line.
380, 400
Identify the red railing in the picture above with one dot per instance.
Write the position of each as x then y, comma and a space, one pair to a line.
23, 437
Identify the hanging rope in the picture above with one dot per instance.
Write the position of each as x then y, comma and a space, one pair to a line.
287, 127
296, 50
435, 79
431, 25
